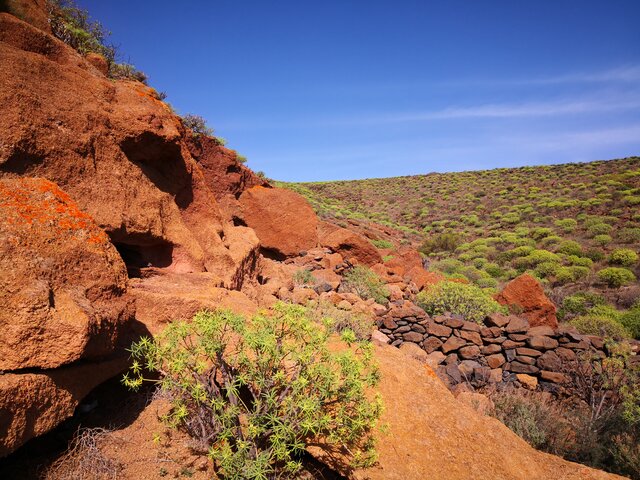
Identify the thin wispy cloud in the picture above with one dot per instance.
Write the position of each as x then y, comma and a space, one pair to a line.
509, 110
598, 104
619, 75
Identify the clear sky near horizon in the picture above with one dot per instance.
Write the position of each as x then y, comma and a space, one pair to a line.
344, 89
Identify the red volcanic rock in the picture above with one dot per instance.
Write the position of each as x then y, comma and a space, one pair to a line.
424, 278
404, 261
34, 403
117, 150
283, 220
352, 246
223, 173
526, 294
30, 11
62, 283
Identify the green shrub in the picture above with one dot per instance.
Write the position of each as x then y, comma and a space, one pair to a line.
601, 326
566, 275
594, 254
579, 303
580, 261
470, 301
623, 256
521, 251
448, 266
616, 277
631, 320
566, 224
599, 229
602, 239
197, 124
365, 283
340, 320
382, 243
569, 247
74, 27
256, 393
494, 270
302, 277
629, 235
536, 419
442, 242
547, 269
536, 257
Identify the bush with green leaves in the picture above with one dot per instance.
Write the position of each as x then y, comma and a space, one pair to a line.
442, 242
579, 304
382, 243
302, 277
470, 301
340, 320
631, 321
256, 393
364, 282
629, 235
197, 125
624, 257
616, 277
568, 225
600, 325
602, 240
73, 26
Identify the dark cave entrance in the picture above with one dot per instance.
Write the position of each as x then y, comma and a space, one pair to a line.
140, 257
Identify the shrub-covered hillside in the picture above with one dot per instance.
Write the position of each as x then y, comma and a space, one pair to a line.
573, 226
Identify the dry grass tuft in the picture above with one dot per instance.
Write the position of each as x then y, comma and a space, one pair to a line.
84, 460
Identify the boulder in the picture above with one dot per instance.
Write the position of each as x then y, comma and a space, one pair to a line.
423, 278
325, 275
283, 220
353, 247
62, 283
526, 294
404, 260
161, 299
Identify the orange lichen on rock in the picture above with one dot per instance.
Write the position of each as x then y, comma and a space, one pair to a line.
39, 202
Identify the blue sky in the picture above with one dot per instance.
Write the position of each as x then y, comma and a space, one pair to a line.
344, 89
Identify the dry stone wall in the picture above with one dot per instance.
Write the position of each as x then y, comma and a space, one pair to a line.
503, 349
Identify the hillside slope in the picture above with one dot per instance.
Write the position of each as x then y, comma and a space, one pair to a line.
560, 222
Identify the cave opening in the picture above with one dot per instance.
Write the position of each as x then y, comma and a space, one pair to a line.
140, 258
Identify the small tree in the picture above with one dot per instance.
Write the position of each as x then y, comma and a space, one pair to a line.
256, 393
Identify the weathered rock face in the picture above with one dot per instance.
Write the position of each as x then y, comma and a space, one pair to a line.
284, 221
62, 283
164, 298
526, 294
223, 173
353, 247
113, 147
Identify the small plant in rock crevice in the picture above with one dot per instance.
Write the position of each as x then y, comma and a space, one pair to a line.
364, 282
